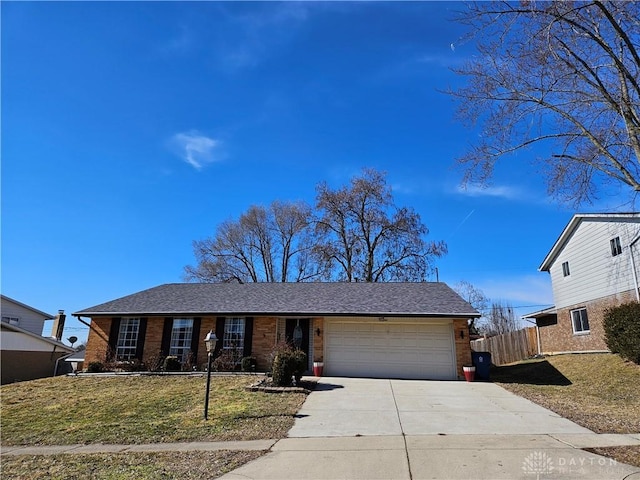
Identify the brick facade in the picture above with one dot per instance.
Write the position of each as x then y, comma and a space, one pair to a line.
263, 340
463, 345
560, 337
318, 340
98, 341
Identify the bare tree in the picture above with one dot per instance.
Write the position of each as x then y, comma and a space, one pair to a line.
565, 74
264, 245
476, 298
500, 319
366, 237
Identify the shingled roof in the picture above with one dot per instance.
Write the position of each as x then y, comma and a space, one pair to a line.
296, 299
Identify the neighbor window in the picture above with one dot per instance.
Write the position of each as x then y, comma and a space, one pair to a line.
11, 320
565, 269
616, 248
233, 340
181, 335
127, 339
580, 321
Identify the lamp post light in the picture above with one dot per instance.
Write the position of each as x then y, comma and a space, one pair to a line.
210, 342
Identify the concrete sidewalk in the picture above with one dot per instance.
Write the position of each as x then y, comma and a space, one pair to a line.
150, 447
355, 428
481, 442
402, 457
448, 457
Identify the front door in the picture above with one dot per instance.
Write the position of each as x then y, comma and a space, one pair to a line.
297, 333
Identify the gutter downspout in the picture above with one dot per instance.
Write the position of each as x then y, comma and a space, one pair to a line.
79, 318
55, 369
633, 266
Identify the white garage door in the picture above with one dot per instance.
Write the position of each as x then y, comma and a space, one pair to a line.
391, 349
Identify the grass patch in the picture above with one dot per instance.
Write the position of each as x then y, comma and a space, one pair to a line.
596, 391
628, 455
117, 466
145, 409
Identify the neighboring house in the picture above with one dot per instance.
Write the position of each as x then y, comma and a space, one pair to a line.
593, 265
21, 315
394, 330
25, 353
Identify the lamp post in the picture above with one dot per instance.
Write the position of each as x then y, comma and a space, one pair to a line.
210, 342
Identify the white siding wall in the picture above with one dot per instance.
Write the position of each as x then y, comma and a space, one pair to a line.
23, 342
29, 320
595, 273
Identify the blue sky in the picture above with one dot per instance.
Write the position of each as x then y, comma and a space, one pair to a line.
130, 129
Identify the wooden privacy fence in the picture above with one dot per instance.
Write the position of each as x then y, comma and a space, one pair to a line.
509, 347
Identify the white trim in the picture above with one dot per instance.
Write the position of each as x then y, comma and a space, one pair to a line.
573, 324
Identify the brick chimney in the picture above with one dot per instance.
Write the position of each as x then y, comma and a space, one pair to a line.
58, 325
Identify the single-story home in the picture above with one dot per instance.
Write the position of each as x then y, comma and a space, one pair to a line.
389, 330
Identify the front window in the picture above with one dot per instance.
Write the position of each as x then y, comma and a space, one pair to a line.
127, 339
616, 248
181, 335
565, 269
233, 340
580, 321
11, 320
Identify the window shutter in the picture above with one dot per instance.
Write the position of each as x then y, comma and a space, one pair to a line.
195, 337
165, 344
113, 338
220, 321
248, 336
142, 333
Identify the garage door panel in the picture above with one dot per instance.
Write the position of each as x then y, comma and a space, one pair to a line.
374, 349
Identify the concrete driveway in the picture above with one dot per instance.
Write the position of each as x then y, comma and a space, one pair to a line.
409, 429
347, 407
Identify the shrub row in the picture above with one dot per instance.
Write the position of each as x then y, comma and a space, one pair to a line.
223, 363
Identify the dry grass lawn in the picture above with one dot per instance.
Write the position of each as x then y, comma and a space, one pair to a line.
598, 391
134, 410
121, 466
141, 409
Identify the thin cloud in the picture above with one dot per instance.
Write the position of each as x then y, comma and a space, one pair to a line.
259, 33
196, 149
501, 191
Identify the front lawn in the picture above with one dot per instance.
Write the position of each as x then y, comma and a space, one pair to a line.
597, 391
125, 466
141, 409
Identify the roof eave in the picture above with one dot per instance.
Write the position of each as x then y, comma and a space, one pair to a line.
560, 242
541, 313
286, 314
568, 231
47, 316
